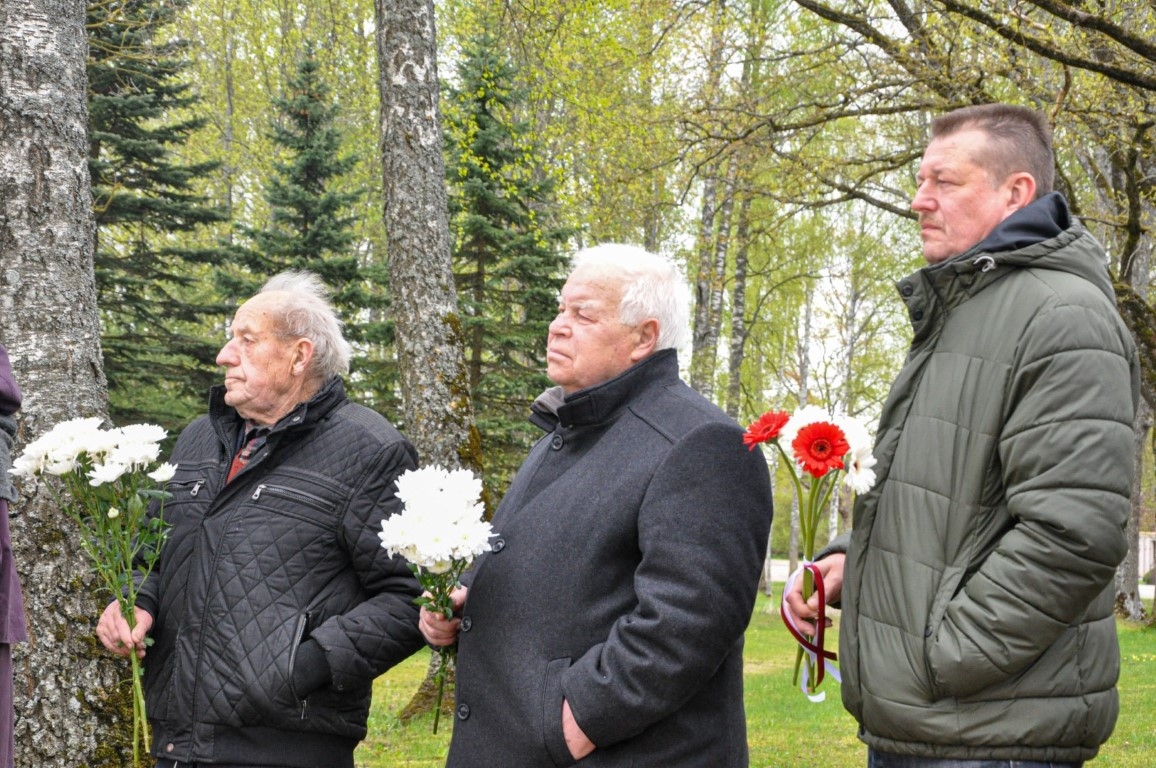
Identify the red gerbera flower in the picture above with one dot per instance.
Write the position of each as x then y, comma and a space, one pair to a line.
766, 428
820, 447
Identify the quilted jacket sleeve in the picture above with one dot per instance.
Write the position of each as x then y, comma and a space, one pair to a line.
381, 631
1066, 464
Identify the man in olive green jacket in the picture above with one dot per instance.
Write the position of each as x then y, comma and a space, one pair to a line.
976, 587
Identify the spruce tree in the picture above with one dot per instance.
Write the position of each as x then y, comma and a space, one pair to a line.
507, 257
310, 227
158, 357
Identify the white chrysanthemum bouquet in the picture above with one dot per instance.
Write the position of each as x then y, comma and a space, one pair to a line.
439, 533
110, 477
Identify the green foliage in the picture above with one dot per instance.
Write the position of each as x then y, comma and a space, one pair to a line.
507, 260
157, 360
311, 226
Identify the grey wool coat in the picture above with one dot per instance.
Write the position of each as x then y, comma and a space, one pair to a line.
622, 579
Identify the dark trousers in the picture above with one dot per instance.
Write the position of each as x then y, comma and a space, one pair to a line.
165, 763
876, 759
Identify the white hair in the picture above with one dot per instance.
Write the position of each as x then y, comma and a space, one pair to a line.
307, 313
652, 287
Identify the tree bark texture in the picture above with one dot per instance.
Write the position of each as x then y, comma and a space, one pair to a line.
69, 695
438, 414
434, 380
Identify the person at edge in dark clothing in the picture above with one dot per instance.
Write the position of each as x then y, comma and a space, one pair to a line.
12, 626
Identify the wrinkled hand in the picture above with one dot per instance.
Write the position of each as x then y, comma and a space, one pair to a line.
114, 633
576, 738
804, 613
437, 629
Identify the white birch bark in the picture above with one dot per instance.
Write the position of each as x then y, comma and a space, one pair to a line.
67, 691
438, 415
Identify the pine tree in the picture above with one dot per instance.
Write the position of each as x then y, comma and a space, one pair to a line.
507, 258
158, 357
310, 227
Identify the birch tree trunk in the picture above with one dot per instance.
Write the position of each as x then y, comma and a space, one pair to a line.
438, 416
71, 706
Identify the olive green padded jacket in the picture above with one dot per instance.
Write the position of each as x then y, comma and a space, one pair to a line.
977, 604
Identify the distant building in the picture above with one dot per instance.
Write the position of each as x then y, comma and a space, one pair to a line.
1147, 555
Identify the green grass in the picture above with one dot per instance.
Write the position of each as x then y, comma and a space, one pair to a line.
783, 728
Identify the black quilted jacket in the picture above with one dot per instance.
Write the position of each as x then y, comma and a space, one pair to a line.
286, 552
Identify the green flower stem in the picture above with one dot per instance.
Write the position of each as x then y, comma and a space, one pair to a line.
813, 498
122, 551
440, 587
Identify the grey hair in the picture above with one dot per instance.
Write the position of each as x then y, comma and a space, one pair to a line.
307, 313
652, 287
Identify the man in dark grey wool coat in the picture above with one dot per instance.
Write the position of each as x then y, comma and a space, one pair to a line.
606, 626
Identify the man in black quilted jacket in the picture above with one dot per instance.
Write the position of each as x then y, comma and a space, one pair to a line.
273, 605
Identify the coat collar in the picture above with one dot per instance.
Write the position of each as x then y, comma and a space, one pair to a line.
601, 402
308, 413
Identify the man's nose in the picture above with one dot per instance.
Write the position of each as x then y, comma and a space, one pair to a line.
226, 356
923, 201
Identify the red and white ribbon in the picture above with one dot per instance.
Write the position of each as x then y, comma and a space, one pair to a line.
823, 660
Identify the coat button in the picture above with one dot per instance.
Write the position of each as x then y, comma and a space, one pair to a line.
917, 315
928, 631
557, 442
907, 289
467, 623
170, 747
463, 711
497, 545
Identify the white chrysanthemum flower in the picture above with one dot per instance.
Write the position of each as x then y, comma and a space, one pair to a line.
106, 473
163, 473
113, 513
141, 433
442, 520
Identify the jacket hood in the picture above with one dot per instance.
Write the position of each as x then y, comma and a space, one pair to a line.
1043, 235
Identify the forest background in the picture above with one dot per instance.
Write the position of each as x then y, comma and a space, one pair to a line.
769, 146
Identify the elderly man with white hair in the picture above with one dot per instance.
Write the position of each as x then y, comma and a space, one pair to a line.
606, 626
273, 606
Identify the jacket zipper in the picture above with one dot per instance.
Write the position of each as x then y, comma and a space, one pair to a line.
302, 623
305, 498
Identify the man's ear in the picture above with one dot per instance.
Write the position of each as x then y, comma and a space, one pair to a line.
302, 354
647, 339
1021, 191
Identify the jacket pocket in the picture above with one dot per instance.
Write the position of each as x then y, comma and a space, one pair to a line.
552, 696
949, 586
298, 638
296, 503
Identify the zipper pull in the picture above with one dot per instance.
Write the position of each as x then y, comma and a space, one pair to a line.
196, 488
257, 493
